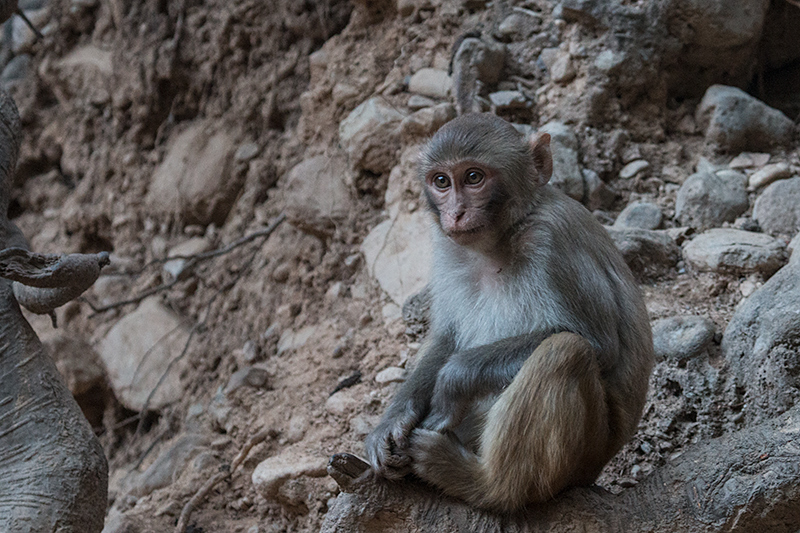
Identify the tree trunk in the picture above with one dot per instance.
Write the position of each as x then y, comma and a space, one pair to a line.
747, 481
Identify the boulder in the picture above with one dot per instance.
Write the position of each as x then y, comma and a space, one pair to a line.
735, 251
707, 199
369, 135
777, 209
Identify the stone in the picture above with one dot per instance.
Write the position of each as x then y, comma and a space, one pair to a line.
567, 174
177, 268
341, 403
431, 82
76, 360
735, 121
369, 135
680, 338
518, 26
707, 199
599, 195
760, 346
425, 122
392, 374
766, 175
646, 252
777, 209
249, 376
793, 245
292, 340
16, 70
86, 74
633, 168
417, 102
486, 56
316, 197
22, 38
398, 254
195, 180
735, 251
562, 70
137, 352
503, 100
169, 465
246, 152
639, 215
720, 25
272, 473
749, 160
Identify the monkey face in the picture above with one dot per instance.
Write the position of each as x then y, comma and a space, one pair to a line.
463, 196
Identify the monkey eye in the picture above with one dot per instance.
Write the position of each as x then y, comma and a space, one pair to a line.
473, 176
441, 181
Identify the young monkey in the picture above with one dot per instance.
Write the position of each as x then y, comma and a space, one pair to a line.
535, 370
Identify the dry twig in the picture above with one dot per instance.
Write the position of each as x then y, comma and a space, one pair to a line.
191, 505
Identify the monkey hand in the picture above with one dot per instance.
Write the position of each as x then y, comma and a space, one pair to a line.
387, 445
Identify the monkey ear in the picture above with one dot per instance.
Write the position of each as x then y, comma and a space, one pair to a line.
542, 158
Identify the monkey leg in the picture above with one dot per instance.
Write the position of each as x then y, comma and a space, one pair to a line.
547, 431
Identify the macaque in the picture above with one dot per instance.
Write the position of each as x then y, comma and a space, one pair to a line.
535, 370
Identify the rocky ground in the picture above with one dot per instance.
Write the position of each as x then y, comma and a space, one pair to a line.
162, 130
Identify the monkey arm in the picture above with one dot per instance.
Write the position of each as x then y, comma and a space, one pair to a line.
477, 372
387, 445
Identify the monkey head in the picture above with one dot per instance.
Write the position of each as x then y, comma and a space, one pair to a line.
480, 175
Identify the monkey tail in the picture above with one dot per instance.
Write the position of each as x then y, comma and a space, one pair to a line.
547, 431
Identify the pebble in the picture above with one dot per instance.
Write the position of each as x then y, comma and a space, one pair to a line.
642, 215
768, 174
392, 374
749, 160
633, 168
508, 100
679, 338
431, 82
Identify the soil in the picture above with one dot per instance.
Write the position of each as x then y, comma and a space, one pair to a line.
90, 147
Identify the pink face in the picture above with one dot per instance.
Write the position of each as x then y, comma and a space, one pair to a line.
461, 193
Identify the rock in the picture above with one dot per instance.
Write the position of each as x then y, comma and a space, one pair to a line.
369, 135
777, 209
137, 352
518, 26
177, 268
250, 376
417, 102
430, 82
16, 70
679, 338
735, 121
271, 474
246, 152
760, 345
503, 100
76, 360
22, 38
598, 194
486, 56
341, 403
749, 160
793, 245
392, 374
292, 340
647, 252
195, 180
721, 25
567, 174
706, 199
398, 254
168, 466
425, 122
766, 175
316, 196
562, 71
735, 251
639, 215
86, 74
633, 168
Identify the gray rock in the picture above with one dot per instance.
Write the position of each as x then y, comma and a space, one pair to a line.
417, 102
599, 195
508, 100
292, 340
271, 474
706, 200
633, 168
398, 254
195, 180
426, 121
769, 173
16, 69
679, 338
639, 215
647, 252
518, 26
777, 209
760, 345
722, 25
137, 353
431, 82
178, 268
735, 121
168, 466
316, 197
735, 251
562, 71
246, 152
391, 374
250, 376
369, 135
749, 160
567, 174
22, 38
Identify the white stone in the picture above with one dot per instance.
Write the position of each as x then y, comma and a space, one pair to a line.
430, 82
272, 473
369, 134
733, 250
398, 254
766, 175
633, 168
749, 160
508, 100
392, 374
137, 352
316, 196
176, 268
292, 340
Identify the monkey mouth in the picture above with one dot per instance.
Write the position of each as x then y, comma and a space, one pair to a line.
466, 234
